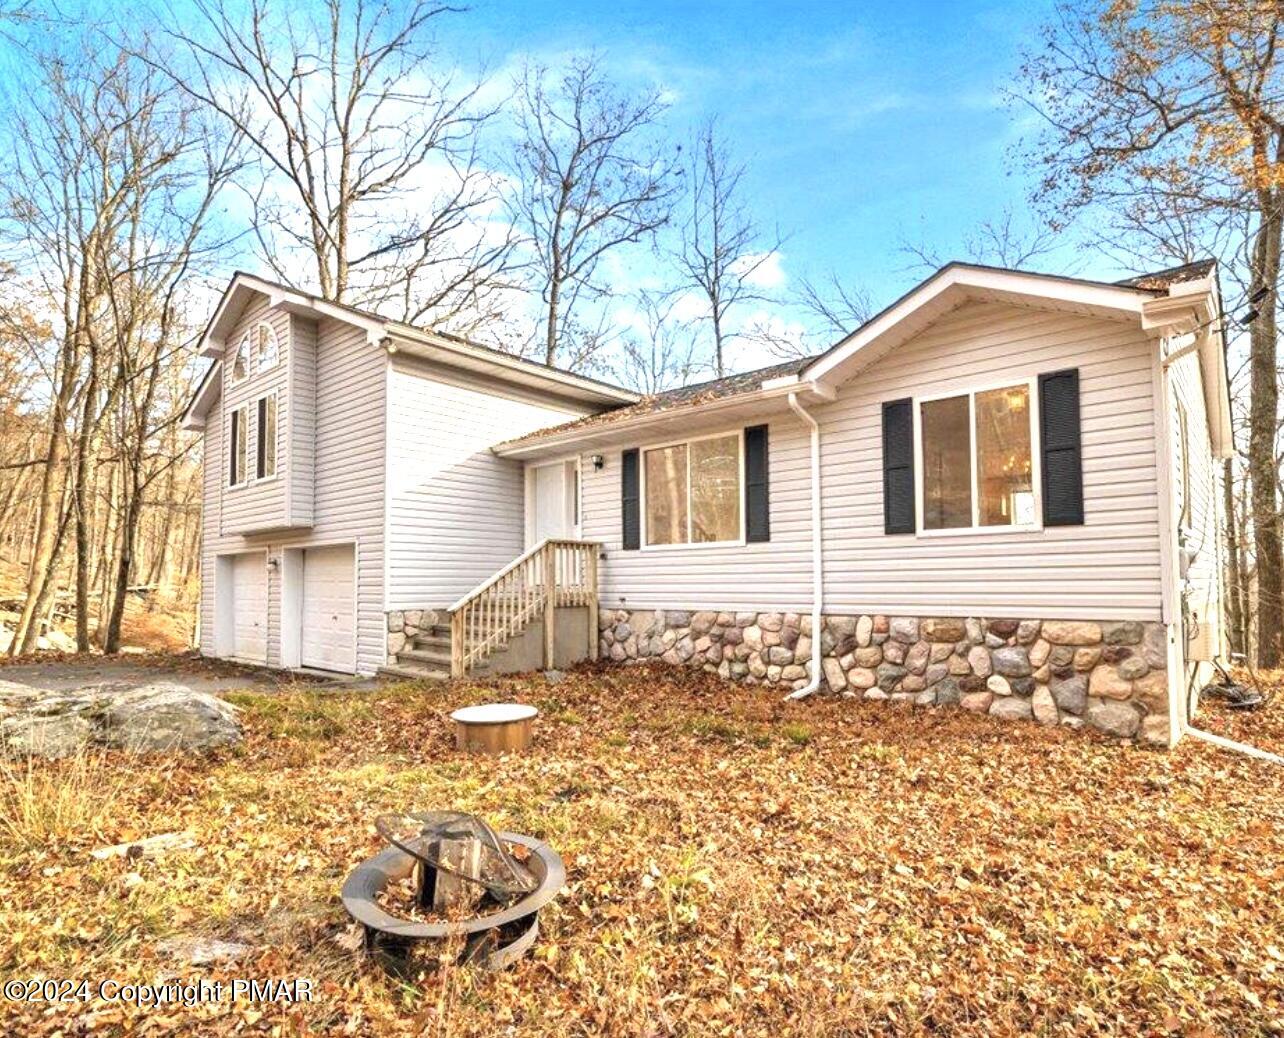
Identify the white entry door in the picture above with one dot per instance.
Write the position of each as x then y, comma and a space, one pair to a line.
328, 639
249, 607
552, 500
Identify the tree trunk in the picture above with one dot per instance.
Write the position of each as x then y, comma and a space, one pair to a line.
550, 331
124, 563
1268, 548
48, 522
1234, 575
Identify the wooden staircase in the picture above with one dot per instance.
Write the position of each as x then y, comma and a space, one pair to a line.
483, 623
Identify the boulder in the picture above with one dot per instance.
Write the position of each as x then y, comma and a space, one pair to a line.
1011, 708
1070, 694
1044, 706
943, 629
1071, 632
1106, 683
53, 736
1012, 661
1123, 632
1113, 717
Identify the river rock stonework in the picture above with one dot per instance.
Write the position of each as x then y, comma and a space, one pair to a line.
1107, 674
405, 625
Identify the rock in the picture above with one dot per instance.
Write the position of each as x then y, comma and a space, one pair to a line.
1061, 656
202, 951
677, 618
977, 702
841, 626
396, 642
1133, 668
975, 633
943, 629
926, 698
834, 675
703, 621
1003, 628
165, 716
1071, 632
947, 691
733, 636
916, 658
1011, 708
940, 652
619, 655
53, 737
998, 685
870, 656
746, 619
1039, 653
1012, 661
1106, 682
1113, 717
1123, 632
1028, 631
890, 675
790, 637
794, 672
864, 630
623, 632
959, 666
902, 698
894, 652
1154, 646
881, 624
1042, 675
904, 629
1115, 653
773, 673
147, 847
780, 656
876, 694
994, 641
1152, 690
1043, 706
757, 668
862, 677
978, 659
1021, 686
753, 637
936, 672
913, 683
1154, 730
396, 621
1070, 694
1070, 721
771, 621
1087, 658
971, 683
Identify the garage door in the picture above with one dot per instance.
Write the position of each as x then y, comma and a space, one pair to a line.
249, 607
329, 610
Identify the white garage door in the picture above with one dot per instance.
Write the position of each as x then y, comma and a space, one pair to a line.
249, 607
329, 610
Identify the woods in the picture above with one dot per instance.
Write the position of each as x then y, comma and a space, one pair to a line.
558, 210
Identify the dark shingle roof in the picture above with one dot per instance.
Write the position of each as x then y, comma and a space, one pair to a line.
1160, 280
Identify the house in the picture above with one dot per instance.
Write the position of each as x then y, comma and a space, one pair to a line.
1001, 491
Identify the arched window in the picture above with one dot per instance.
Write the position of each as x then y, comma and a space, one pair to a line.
265, 351
241, 362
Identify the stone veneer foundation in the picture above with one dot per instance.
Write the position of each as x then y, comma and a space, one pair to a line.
405, 625
1110, 675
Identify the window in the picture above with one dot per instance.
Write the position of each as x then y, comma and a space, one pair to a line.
977, 460
238, 448
693, 491
266, 459
265, 351
240, 362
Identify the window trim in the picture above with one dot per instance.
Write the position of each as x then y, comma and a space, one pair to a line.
276, 348
644, 539
238, 424
242, 352
1031, 382
258, 436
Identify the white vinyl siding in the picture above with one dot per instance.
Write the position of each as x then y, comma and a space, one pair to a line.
456, 512
1201, 512
1108, 568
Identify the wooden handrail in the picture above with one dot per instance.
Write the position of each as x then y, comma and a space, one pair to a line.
555, 572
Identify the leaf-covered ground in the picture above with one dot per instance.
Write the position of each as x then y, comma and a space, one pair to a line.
736, 865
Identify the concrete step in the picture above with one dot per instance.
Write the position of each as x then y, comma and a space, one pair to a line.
433, 642
411, 673
431, 657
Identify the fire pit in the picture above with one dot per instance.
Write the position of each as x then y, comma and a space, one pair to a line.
469, 881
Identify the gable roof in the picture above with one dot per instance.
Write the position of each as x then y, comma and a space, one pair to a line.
390, 335
1172, 298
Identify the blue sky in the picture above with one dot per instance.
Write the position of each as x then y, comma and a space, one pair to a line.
862, 123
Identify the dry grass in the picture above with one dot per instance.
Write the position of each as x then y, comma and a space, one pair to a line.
735, 866
45, 804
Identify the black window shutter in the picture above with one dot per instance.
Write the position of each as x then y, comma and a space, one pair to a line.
898, 466
233, 477
261, 440
757, 500
630, 502
1061, 448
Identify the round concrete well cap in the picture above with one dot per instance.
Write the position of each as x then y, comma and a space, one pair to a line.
494, 713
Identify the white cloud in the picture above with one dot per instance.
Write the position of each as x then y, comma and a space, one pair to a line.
762, 270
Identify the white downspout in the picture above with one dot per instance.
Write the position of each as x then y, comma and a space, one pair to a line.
817, 571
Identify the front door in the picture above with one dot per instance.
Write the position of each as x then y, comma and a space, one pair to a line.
552, 500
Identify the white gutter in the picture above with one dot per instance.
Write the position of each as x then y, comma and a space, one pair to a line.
817, 573
1231, 744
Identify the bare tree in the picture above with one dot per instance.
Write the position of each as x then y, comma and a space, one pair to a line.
1154, 107
661, 354
589, 180
1001, 242
722, 247
370, 161
830, 309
